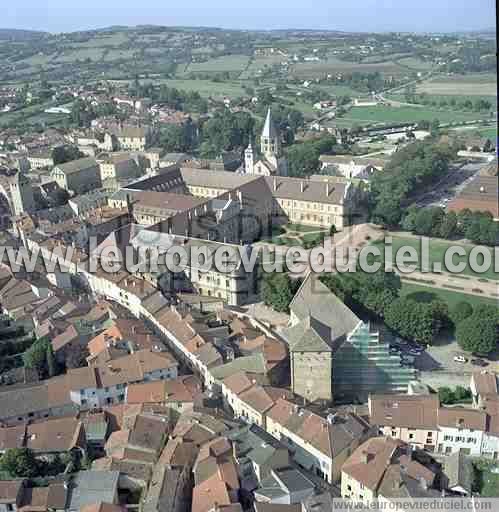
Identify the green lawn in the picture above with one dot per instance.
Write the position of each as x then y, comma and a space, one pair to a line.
490, 133
302, 228
437, 249
385, 114
451, 298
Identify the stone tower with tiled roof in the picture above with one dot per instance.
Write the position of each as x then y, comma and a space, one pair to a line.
272, 161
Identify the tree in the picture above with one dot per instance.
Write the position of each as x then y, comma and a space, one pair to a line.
487, 147
303, 158
63, 154
412, 320
51, 362
36, 356
477, 333
20, 463
448, 225
445, 395
461, 311
278, 290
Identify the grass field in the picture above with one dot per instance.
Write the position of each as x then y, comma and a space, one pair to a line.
437, 249
335, 65
461, 85
451, 298
231, 63
39, 59
104, 40
490, 133
415, 63
118, 55
385, 114
207, 88
260, 63
94, 54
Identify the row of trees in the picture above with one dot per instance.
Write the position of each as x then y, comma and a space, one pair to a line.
479, 227
459, 395
479, 105
378, 294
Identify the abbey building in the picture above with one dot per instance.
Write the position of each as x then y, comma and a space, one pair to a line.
271, 161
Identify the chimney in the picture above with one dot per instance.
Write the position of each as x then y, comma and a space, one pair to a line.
364, 457
240, 197
327, 189
423, 483
275, 183
302, 187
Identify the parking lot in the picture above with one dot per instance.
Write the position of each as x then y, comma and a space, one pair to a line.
437, 367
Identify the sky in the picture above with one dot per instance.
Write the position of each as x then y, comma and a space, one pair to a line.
347, 15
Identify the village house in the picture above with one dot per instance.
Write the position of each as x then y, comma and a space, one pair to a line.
385, 469
318, 444
94, 387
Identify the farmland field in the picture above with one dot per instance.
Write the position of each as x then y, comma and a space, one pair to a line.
205, 88
260, 63
94, 54
335, 65
235, 63
489, 133
463, 85
38, 60
118, 55
384, 114
104, 40
415, 63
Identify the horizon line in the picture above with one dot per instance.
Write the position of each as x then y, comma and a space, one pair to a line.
242, 29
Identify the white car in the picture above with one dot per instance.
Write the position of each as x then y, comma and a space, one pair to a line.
460, 359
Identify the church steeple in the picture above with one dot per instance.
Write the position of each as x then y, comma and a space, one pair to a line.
270, 142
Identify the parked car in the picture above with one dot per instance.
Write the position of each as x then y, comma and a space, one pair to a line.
460, 359
415, 352
479, 362
416, 347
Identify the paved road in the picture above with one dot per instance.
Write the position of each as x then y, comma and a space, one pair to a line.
449, 186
